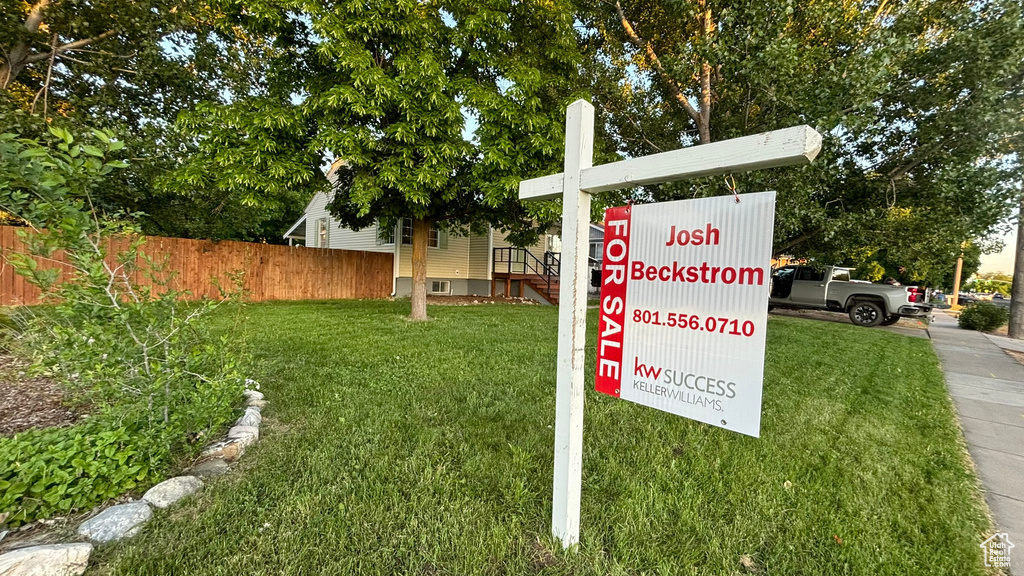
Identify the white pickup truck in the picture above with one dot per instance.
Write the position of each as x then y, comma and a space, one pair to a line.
831, 288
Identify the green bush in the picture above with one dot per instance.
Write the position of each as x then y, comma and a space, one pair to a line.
157, 383
983, 316
151, 365
58, 470
141, 421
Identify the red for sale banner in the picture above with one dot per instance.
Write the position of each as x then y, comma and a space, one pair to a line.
612, 321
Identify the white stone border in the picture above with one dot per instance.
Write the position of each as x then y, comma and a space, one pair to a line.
125, 520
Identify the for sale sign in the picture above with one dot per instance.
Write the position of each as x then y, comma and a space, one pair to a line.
684, 307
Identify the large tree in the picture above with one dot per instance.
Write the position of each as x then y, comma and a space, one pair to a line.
438, 109
913, 97
1016, 327
397, 88
132, 67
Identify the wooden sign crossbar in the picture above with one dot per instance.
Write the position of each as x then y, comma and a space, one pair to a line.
786, 147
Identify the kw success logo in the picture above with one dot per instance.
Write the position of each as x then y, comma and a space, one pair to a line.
682, 386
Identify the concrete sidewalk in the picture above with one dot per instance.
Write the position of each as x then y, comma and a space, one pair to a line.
987, 387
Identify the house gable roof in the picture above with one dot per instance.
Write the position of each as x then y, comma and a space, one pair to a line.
293, 232
338, 163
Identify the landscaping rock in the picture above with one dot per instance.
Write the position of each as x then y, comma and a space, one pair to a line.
230, 450
250, 418
51, 560
116, 522
209, 468
170, 491
252, 395
247, 435
257, 403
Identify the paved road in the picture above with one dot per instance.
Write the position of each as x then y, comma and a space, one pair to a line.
987, 387
906, 327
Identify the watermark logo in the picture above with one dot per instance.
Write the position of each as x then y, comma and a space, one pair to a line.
997, 550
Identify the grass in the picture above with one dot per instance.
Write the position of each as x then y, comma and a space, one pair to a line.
393, 447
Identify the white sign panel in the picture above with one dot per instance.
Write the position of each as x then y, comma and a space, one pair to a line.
684, 307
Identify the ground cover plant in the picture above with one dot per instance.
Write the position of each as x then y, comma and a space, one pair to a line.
393, 447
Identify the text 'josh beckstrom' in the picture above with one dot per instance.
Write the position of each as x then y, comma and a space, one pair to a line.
702, 273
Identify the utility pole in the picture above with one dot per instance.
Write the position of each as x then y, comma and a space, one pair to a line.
1016, 328
955, 300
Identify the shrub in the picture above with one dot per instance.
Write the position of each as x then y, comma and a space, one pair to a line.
983, 316
156, 381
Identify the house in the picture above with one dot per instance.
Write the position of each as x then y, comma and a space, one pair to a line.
485, 265
596, 257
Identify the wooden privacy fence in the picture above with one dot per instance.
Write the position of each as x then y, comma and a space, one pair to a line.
270, 272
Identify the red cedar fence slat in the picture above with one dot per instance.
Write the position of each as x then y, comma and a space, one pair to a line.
270, 272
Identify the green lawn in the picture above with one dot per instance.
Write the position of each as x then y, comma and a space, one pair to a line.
393, 447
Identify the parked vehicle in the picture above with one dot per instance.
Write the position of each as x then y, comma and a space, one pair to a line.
831, 288
969, 298
965, 299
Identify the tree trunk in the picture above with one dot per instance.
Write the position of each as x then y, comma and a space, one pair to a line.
420, 235
17, 58
1016, 329
7, 74
702, 117
704, 126
16, 62
707, 27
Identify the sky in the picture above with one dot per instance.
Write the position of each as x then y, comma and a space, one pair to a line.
1002, 261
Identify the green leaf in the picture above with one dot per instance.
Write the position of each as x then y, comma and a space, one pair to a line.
62, 134
92, 150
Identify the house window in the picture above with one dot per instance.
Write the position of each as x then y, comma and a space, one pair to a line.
596, 251
322, 233
554, 243
440, 287
407, 231
385, 235
436, 239
810, 274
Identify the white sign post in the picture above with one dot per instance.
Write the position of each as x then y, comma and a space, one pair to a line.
785, 147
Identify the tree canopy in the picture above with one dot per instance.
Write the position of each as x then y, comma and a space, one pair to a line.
132, 68
916, 99
438, 110
228, 108
994, 282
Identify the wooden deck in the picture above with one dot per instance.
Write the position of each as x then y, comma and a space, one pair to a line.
548, 291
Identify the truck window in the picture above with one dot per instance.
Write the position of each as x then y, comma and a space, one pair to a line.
810, 274
784, 273
841, 275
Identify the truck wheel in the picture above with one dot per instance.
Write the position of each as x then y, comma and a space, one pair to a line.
866, 313
889, 321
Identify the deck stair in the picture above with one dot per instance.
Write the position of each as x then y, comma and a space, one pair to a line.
519, 265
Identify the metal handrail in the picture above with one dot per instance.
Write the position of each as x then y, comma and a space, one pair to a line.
522, 261
553, 261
